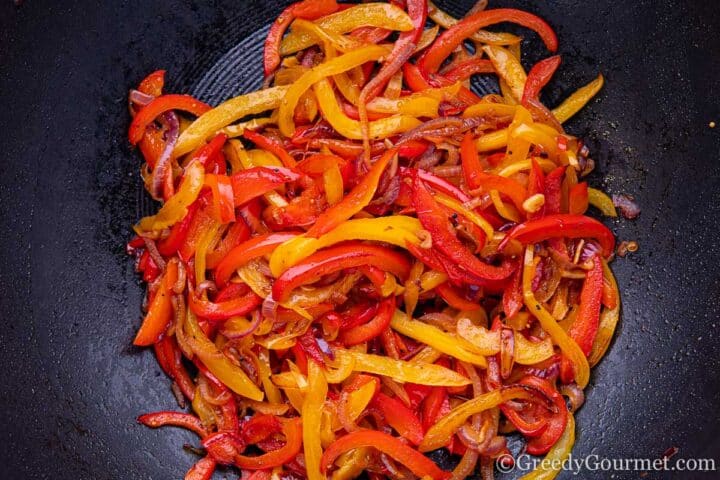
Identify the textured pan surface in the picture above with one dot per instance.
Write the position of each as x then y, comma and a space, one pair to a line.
69, 189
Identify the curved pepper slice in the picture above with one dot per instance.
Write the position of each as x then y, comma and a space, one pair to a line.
578, 99
254, 182
340, 257
215, 311
272, 145
160, 312
400, 417
454, 36
160, 105
550, 466
561, 225
436, 222
539, 75
153, 83
246, 251
175, 419
556, 422
312, 409
292, 429
367, 331
416, 462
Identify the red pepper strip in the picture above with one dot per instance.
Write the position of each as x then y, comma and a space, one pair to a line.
418, 393
358, 314
403, 49
208, 152
160, 312
453, 298
374, 274
435, 220
243, 253
202, 470
309, 345
259, 427
412, 148
352, 111
415, 461
436, 183
353, 202
223, 201
526, 427
216, 311
507, 186
272, 145
463, 70
585, 327
175, 419
152, 145
578, 198
539, 75
198, 227
438, 261
417, 82
556, 421
435, 406
148, 267
223, 446
536, 185
238, 232
228, 421
561, 225
292, 429
399, 417
300, 358
160, 105
513, 295
319, 163
451, 38
370, 34
339, 257
170, 360
153, 83
178, 233
373, 328
251, 183
308, 10
553, 184
471, 167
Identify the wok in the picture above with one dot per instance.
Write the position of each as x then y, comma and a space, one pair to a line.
72, 384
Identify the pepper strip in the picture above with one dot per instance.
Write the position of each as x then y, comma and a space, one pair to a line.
175, 419
293, 431
340, 257
441, 433
160, 105
417, 463
401, 371
246, 251
160, 312
226, 113
550, 466
577, 100
608, 321
312, 409
567, 345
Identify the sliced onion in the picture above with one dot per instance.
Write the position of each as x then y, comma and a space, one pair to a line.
254, 324
575, 395
163, 166
269, 308
139, 98
627, 206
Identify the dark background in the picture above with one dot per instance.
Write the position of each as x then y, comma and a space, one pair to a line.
71, 384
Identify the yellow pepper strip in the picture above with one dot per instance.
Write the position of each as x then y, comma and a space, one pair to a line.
608, 321
551, 465
381, 15
333, 184
478, 220
509, 68
602, 202
296, 397
266, 407
412, 288
175, 208
350, 128
428, 36
396, 230
577, 100
238, 129
311, 420
567, 345
359, 399
342, 371
347, 88
484, 341
393, 89
401, 371
490, 109
415, 105
537, 135
430, 335
432, 279
227, 372
326, 69
210, 237
440, 434
226, 113
426, 355
528, 352
351, 464
506, 211
327, 36
492, 141
203, 410
328, 420
273, 393
513, 168
518, 147
483, 36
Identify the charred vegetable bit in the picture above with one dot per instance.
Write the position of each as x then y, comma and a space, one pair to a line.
364, 260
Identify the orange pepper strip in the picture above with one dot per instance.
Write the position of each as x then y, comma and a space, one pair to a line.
292, 429
160, 311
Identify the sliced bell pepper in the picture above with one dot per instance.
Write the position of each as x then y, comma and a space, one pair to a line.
436, 222
153, 83
293, 431
508, 68
160, 312
399, 417
608, 321
254, 182
367, 331
170, 244
556, 423
203, 469
175, 419
224, 114
453, 298
272, 145
175, 209
358, 198
243, 253
561, 225
602, 202
417, 463
170, 359
160, 105
586, 324
551, 465
507, 186
223, 310
466, 68
401, 371
223, 202
577, 100
512, 300
539, 76
307, 9
312, 409
339, 257
449, 40
578, 199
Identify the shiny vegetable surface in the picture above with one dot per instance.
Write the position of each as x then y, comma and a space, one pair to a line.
384, 263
